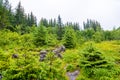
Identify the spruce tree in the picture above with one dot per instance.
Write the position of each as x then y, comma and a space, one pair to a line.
92, 24
3, 15
93, 60
59, 28
19, 15
69, 38
40, 36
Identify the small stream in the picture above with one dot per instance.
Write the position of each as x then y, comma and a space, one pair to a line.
73, 75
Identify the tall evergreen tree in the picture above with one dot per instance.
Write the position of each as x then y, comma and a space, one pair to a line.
40, 36
33, 19
69, 38
54, 23
76, 26
60, 28
19, 15
3, 15
51, 23
44, 22
95, 25
28, 20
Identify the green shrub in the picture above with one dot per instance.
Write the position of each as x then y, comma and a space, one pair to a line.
95, 65
98, 37
51, 39
69, 38
8, 38
40, 36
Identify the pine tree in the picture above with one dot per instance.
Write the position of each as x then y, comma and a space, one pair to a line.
40, 36
33, 20
93, 60
59, 28
76, 26
3, 15
69, 38
54, 23
21, 18
19, 15
95, 25
44, 22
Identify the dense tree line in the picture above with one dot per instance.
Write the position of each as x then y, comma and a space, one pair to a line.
10, 19
47, 30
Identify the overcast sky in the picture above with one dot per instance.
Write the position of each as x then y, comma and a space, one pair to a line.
107, 12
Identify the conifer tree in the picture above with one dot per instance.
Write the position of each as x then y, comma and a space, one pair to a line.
92, 24
93, 60
40, 36
69, 38
59, 28
19, 15
3, 15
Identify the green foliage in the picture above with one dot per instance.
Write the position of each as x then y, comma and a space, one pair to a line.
19, 35
7, 37
28, 67
71, 57
80, 38
98, 37
108, 35
92, 63
115, 34
71, 67
10, 39
40, 36
96, 67
51, 40
10, 19
27, 39
59, 28
69, 38
91, 24
87, 34
3, 16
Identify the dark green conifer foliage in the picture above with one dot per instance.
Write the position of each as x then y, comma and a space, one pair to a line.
95, 25
69, 38
59, 28
44, 22
40, 36
19, 14
33, 20
3, 14
93, 59
75, 26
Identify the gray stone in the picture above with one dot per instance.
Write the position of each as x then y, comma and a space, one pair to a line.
73, 75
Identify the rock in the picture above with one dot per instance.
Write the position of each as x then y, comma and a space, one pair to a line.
14, 55
43, 55
73, 75
59, 50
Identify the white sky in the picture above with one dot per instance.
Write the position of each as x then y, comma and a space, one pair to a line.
107, 12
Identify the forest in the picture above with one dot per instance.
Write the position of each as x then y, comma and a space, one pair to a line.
53, 50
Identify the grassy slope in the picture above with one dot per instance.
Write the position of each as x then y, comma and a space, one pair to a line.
110, 49
71, 57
